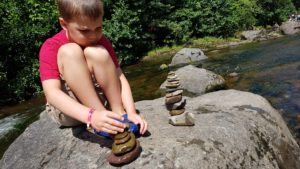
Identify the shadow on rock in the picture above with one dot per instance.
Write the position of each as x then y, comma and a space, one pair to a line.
81, 133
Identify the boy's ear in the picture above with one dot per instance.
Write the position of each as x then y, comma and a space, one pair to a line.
63, 23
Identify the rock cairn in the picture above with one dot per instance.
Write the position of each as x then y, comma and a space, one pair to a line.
175, 104
125, 148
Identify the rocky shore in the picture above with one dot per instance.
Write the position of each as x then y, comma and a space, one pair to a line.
233, 129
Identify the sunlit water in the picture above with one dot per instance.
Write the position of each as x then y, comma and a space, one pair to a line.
270, 68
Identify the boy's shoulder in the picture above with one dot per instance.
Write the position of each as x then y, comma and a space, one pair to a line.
59, 38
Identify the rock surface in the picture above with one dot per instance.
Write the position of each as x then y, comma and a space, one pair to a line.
290, 27
187, 56
233, 129
198, 80
254, 35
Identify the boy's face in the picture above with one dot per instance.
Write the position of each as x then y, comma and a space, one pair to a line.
82, 30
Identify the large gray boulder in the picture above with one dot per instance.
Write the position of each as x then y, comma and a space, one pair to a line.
233, 129
254, 35
198, 80
187, 56
290, 27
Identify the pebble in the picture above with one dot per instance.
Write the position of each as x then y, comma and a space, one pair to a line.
185, 119
175, 93
125, 158
176, 112
174, 99
178, 105
124, 148
172, 85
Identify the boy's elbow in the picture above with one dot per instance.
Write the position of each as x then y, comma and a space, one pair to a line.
51, 88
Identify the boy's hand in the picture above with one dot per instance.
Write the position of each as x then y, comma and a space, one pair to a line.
137, 119
106, 121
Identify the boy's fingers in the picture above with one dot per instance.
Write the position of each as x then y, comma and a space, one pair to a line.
145, 127
117, 124
109, 131
114, 116
114, 128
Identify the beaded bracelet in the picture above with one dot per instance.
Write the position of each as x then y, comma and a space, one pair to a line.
88, 124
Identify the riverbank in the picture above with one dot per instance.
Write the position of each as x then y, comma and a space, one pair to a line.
210, 44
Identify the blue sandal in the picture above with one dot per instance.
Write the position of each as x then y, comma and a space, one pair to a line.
132, 127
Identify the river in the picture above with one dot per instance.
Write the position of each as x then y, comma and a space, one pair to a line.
268, 68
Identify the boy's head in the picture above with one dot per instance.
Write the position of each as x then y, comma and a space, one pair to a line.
82, 20
70, 9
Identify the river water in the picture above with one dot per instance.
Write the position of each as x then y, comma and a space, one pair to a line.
269, 68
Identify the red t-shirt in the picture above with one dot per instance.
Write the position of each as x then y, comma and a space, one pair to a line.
48, 54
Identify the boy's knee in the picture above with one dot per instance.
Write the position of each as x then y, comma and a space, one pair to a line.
97, 54
70, 50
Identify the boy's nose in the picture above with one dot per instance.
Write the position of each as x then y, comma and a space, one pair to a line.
95, 34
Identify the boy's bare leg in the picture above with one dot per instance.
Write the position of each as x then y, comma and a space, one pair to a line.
73, 66
105, 72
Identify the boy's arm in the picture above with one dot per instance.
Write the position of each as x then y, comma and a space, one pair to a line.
128, 103
56, 97
101, 120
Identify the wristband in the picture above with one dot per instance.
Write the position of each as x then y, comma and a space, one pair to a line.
88, 124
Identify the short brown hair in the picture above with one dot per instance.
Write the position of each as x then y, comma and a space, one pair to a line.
69, 9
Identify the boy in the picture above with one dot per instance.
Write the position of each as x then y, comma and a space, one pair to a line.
74, 62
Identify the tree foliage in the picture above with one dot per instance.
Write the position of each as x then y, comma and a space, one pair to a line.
134, 27
25, 24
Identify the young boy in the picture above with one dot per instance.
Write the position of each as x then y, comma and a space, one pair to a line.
75, 62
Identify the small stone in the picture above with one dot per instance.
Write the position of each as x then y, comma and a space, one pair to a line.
123, 140
171, 77
178, 105
171, 73
184, 119
173, 99
120, 135
124, 148
169, 90
126, 158
172, 85
233, 74
176, 112
175, 93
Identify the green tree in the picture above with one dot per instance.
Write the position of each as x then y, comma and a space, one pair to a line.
124, 30
297, 4
273, 11
25, 25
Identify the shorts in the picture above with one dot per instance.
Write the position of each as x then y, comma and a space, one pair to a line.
60, 118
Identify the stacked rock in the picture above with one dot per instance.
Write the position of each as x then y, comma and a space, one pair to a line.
175, 104
125, 148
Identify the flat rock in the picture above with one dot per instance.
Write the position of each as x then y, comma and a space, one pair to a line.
187, 56
233, 129
290, 27
184, 119
197, 80
253, 35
